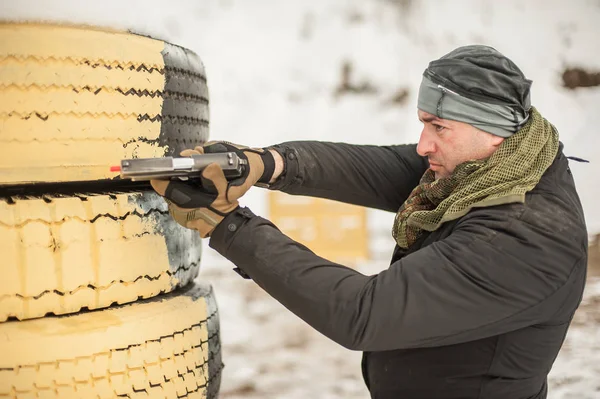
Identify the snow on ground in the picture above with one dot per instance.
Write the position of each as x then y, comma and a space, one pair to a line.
274, 72
576, 373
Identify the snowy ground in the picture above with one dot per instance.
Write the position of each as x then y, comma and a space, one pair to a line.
270, 353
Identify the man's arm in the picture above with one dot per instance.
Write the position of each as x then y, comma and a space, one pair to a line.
480, 281
379, 177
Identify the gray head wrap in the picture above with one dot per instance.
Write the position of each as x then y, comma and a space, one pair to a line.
477, 85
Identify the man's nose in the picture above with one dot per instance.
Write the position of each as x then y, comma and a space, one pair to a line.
426, 145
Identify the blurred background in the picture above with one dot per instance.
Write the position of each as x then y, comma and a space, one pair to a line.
349, 70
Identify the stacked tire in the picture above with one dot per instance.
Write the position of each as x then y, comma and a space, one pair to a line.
97, 294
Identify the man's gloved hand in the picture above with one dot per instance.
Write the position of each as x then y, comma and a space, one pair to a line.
198, 207
259, 169
203, 207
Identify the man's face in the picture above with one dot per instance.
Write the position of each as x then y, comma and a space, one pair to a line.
449, 143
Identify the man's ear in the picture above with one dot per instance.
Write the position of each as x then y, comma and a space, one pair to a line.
496, 140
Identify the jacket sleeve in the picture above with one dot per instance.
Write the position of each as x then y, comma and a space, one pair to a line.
480, 281
378, 177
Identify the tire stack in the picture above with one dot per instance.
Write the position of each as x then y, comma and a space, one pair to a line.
97, 291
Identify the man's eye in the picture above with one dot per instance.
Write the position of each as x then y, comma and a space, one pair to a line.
438, 128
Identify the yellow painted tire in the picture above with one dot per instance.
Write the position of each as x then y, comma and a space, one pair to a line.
74, 101
64, 253
166, 347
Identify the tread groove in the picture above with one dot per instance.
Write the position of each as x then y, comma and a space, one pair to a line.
105, 287
167, 94
173, 119
87, 62
100, 63
174, 71
93, 220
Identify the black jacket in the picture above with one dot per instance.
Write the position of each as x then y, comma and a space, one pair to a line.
477, 309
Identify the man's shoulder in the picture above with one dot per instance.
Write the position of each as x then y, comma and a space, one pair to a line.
540, 235
542, 214
552, 207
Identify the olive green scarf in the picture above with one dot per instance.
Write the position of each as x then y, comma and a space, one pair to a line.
514, 169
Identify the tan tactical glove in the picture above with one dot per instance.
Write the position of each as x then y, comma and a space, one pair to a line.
199, 207
261, 165
203, 206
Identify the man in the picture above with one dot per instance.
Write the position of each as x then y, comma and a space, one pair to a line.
491, 254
